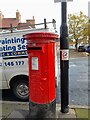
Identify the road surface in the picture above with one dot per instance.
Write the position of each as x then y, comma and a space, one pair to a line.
78, 81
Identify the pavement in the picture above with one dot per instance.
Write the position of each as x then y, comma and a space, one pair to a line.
18, 110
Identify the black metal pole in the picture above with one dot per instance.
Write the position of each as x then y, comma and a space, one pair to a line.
64, 60
89, 32
45, 24
11, 28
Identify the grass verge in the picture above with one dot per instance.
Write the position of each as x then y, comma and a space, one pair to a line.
82, 113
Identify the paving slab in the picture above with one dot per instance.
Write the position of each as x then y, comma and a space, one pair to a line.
21, 110
70, 114
24, 113
6, 107
19, 114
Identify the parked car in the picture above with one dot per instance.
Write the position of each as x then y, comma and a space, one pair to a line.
81, 49
87, 49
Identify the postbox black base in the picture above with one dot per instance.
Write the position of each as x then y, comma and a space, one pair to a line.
42, 110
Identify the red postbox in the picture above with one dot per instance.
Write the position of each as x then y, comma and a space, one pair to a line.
41, 54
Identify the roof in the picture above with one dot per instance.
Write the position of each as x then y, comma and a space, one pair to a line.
7, 21
23, 26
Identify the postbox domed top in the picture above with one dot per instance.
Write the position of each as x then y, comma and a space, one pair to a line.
41, 36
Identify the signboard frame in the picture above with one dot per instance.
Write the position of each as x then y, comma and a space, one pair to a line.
56, 1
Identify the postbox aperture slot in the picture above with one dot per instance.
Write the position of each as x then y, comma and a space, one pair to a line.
35, 48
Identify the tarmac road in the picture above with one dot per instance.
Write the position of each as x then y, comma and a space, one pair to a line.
78, 83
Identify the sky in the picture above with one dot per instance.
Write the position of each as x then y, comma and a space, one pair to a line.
41, 9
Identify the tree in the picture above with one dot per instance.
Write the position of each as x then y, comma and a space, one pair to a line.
78, 28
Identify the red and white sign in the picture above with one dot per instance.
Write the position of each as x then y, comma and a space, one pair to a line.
65, 54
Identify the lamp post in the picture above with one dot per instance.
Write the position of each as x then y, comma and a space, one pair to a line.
64, 57
64, 61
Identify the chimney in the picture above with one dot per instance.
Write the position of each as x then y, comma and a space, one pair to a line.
33, 18
18, 16
31, 22
1, 17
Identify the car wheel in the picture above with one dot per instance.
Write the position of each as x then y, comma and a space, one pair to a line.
21, 89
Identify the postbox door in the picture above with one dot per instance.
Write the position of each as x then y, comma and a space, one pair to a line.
39, 84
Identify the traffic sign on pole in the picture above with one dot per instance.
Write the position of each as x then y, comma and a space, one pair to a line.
62, 1
65, 54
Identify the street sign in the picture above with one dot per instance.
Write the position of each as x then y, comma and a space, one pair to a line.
89, 9
65, 54
62, 1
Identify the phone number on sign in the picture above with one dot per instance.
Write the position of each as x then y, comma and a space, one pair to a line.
15, 63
